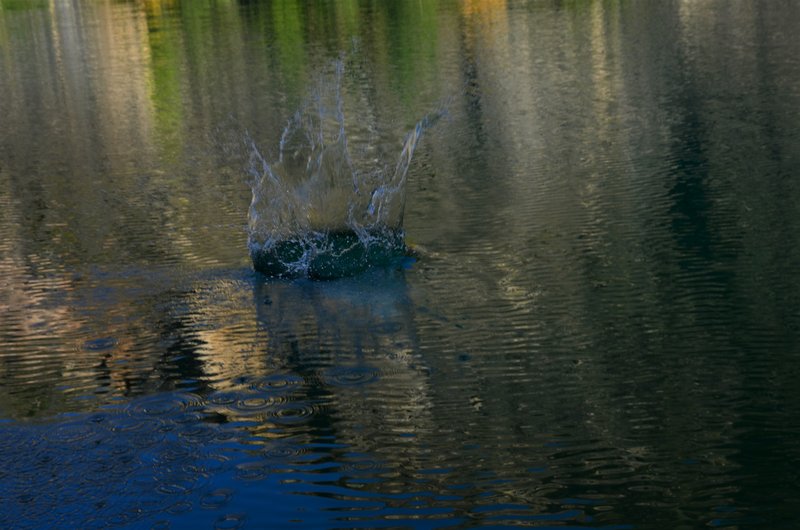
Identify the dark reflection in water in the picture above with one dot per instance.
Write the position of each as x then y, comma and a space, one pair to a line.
601, 329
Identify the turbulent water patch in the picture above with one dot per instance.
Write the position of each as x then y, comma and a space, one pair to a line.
331, 203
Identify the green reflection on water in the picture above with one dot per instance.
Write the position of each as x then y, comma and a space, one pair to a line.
165, 41
612, 215
23, 5
290, 43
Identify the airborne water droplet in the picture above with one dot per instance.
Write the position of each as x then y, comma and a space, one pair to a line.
331, 204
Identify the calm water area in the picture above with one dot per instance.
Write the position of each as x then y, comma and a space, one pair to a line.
599, 326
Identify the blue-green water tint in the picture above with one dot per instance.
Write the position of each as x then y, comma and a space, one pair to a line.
601, 330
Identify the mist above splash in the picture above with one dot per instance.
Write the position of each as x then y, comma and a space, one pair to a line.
334, 174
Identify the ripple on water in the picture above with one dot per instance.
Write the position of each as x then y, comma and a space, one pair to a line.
231, 521
350, 375
151, 457
363, 466
277, 383
74, 432
99, 344
222, 402
292, 412
207, 465
198, 434
216, 499
173, 454
223, 398
165, 405
179, 508
255, 404
131, 424
258, 397
142, 432
284, 452
253, 471
172, 482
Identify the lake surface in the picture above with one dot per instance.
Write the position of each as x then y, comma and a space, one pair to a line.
600, 330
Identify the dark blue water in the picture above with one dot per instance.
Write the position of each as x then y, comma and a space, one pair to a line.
596, 327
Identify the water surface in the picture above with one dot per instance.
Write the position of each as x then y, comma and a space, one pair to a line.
601, 329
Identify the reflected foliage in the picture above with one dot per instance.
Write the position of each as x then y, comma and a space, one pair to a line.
597, 325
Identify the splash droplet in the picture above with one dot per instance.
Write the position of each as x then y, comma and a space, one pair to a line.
331, 204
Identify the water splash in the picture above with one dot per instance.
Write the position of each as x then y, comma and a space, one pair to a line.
330, 205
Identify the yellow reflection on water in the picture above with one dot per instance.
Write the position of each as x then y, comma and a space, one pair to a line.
483, 7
